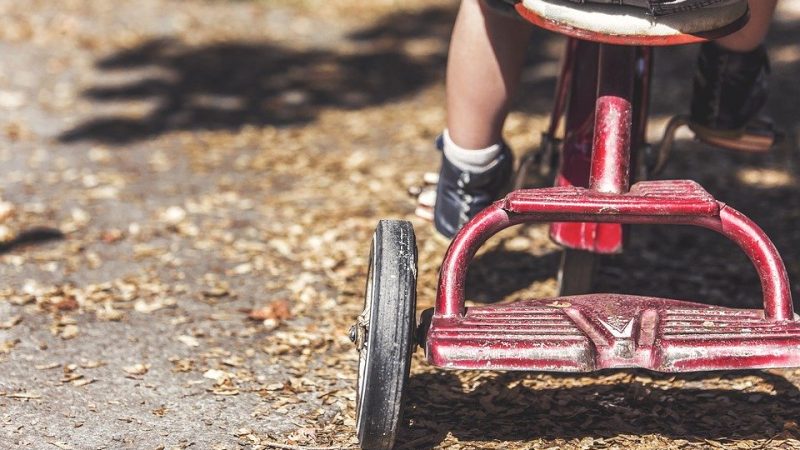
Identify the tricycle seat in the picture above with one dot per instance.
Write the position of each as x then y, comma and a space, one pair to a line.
614, 24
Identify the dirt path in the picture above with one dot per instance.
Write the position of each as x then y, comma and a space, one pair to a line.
187, 198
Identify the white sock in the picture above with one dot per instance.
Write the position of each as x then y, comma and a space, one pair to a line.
474, 161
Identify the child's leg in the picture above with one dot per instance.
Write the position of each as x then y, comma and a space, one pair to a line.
487, 51
752, 35
731, 86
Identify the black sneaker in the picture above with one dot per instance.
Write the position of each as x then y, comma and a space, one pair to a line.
461, 195
730, 90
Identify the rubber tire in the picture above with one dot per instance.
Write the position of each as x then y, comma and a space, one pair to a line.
391, 304
576, 272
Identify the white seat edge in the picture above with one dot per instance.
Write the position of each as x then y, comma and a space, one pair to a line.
630, 21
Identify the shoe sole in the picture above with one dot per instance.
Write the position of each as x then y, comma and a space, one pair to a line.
747, 140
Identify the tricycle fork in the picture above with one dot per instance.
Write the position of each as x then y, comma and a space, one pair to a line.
599, 74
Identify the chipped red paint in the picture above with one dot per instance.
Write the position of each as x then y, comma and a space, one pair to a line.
602, 331
564, 83
586, 65
678, 202
612, 142
604, 90
562, 334
762, 252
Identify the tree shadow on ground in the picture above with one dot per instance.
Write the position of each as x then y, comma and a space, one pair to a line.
498, 273
232, 84
33, 236
501, 408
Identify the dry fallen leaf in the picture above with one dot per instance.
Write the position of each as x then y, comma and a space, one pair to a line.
110, 314
189, 340
305, 434
6, 210
6, 235
67, 304
182, 365
137, 369
47, 366
70, 375
278, 310
216, 292
24, 395
559, 304
111, 236
69, 332
145, 307
10, 322
233, 361
92, 364
7, 345
216, 375
173, 215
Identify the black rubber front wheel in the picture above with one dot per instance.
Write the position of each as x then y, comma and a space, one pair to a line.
384, 334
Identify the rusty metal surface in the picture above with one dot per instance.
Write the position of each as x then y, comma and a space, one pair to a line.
585, 333
600, 331
597, 149
764, 256
653, 202
654, 198
611, 151
581, 67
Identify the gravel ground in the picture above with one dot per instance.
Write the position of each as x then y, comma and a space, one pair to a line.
188, 193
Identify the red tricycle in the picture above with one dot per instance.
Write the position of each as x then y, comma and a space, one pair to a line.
603, 95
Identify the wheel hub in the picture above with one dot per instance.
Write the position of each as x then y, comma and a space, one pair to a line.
358, 332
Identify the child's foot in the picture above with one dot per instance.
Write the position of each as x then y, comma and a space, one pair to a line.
730, 89
462, 194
